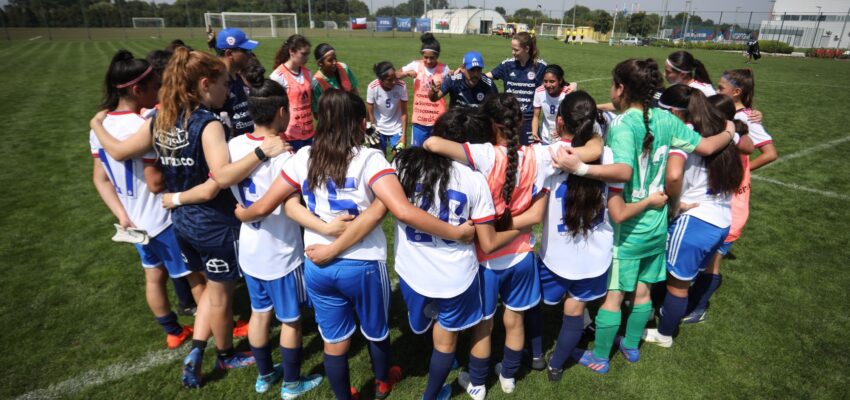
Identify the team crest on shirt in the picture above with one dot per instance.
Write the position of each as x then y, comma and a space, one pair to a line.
174, 140
231, 40
480, 96
218, 266
531, 75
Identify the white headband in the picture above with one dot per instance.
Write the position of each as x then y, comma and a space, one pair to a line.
677, 68
667, 107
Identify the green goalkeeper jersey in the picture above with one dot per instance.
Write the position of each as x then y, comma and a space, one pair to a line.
645, 234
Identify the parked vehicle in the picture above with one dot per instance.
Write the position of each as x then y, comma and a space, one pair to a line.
631, 41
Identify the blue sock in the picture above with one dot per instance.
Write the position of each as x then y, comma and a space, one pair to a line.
380, 354
438, 371
533, 319
478, 369
169, 324
657, 293
704, 287
510, 362
183, 292
336, 370
291, 364
263, 355
571, 330
671, 314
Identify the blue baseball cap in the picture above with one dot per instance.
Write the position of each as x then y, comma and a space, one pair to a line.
473, 59
233, 38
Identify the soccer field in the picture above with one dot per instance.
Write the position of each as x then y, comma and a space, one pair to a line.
77, 324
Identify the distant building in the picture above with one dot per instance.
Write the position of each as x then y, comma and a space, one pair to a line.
464, 21
801, 24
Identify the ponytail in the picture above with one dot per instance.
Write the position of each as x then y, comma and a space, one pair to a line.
526, 40
506, 114
700, 73
294, 42
742, 79
640, 80
123, 73
684, 62
726, 105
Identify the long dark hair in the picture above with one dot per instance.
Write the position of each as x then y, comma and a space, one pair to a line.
725, 171
556, 70
265, 99
640, 79
338, 134
584, 200
293, 42
684, 61
742, 79
124, 69
506, 114
726, 105
430, 172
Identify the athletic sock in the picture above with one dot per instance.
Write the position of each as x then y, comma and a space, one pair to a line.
510, 362
263, 355
199, 344
571, 331
169, 324
671, 314
533, 320
336, 369
636, 324
291, 364
478, 370
225, 354
607, 325
657, 293
438, 371
380, 354
704, 287
183, 292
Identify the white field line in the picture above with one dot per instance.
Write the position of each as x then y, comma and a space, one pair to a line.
35, 38
803, 153
806, 84
810, 150
801, 188
593, 79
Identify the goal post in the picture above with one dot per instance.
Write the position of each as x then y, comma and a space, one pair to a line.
146, 22
557, 31
254, 24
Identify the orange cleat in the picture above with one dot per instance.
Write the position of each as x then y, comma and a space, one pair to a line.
383, 389
174, 341
240, 329
354, 394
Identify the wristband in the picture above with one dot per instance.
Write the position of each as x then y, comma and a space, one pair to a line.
260, 154
175, 198
581, 170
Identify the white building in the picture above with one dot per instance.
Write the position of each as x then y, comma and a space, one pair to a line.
464, 21
809, 23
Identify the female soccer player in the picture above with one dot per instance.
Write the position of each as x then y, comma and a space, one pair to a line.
191, 144
437, 274
522, 75
131, 85
291, 73
547, 98
386, 104
337, 176
700, 191
640, 138
426, 73
682, 68
234, 50
331, 74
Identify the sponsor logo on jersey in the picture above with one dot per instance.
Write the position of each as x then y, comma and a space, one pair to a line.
218, 266
480, 96
177, 161
174, 140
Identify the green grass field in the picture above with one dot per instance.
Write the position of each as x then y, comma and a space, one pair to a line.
73, 303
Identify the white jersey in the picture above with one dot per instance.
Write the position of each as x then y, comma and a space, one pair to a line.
143, 207
436, 267
757, 134
387, 106
269, 248
299, 77
548, 106
705, 88
576, 257
329, 201
414, 66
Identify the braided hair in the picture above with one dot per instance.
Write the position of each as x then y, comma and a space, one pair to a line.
506, 114
640, 79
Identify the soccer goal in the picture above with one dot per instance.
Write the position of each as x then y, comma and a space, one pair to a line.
557, 31
255, 24
140, 22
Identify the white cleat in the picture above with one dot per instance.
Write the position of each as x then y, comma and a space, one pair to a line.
508, 384
652, 336
476, 392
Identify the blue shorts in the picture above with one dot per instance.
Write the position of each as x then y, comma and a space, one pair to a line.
691, 244
297, 144
724, 248
420, 134
163, 250
219, 262
286, 295
388, 140
517, 286
453, 314
343, 288
555, 287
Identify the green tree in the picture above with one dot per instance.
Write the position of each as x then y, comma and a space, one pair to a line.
501, 10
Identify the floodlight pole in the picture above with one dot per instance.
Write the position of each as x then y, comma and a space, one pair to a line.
309, 13
815, 34
575, 4
564, 10
841, 37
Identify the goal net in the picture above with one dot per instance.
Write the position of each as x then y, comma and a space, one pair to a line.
139, 22
557, 31
255, 24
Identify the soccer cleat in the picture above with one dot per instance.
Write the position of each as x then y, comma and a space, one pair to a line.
383, 389
355, 395
240, 329
191, 377
265, 382
238, 360
174, 341
554, 374
445, 393
187, 310
653, 336
587, 359
508, 384
696, 317
476, 392
538, 364
632, 355
304, 385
